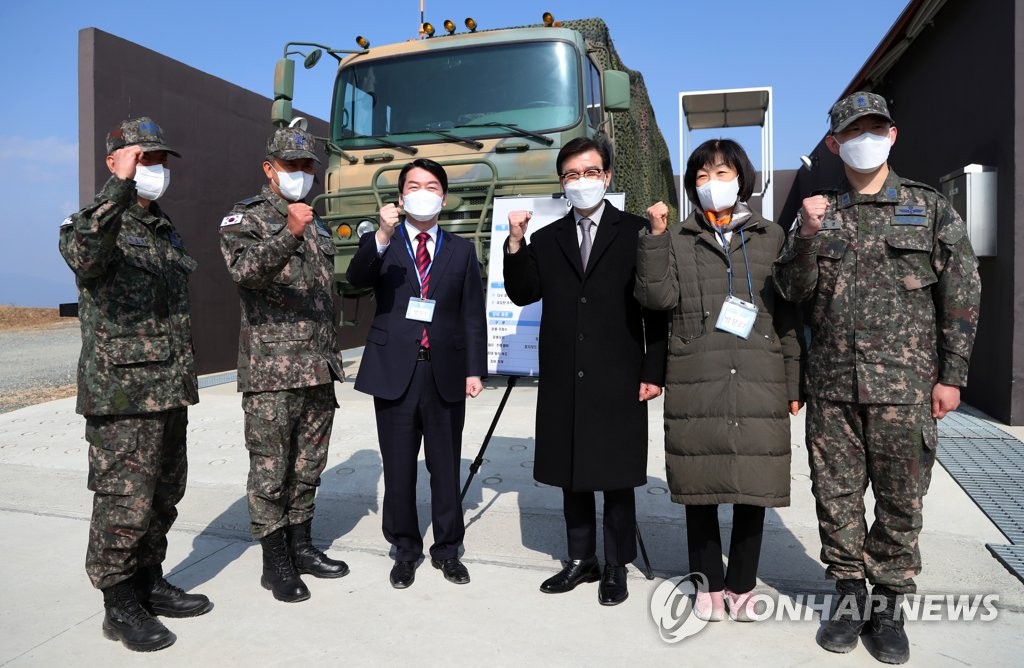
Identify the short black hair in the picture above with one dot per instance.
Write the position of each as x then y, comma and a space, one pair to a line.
582, 145
424, 163
732, 154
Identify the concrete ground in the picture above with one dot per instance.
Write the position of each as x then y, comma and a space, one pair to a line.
50, 615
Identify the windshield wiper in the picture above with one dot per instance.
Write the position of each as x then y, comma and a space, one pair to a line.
455, 137
387, 142
447, 135
331, 146
547, 141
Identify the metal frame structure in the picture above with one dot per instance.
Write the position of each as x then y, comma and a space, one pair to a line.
729, 108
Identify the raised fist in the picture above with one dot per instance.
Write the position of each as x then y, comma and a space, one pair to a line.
300, 215
124, 160
657, 213
517, 223
811, 214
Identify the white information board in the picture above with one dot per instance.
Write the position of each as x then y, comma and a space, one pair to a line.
513, 332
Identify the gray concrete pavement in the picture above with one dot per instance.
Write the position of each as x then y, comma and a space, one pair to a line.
50, 614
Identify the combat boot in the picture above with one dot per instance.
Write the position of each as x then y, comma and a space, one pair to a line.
849, 613
307, 558
160, 597
126, 620
279, 574
887, 641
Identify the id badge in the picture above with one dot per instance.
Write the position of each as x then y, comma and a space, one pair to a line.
420, 309
737, 317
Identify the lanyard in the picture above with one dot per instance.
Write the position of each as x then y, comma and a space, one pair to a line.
728, 258
408, 247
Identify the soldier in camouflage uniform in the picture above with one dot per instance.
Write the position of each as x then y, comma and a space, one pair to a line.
136, 378
894, 292
281, 255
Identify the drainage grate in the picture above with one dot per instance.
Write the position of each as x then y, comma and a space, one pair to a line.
218, 379
962, 425
988, 464
1011, 556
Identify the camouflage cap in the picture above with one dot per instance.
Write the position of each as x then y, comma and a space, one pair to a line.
854, 106
291, 144
142, 131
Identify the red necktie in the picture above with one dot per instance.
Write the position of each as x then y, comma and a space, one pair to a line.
423, 268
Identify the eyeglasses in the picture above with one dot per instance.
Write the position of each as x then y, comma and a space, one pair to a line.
569, 177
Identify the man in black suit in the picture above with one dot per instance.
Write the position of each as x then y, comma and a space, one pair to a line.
425, 353
601, 358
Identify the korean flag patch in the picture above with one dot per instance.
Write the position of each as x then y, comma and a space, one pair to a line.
233, 219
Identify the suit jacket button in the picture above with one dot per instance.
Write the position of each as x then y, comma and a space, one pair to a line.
580, 337
580, 374
583, 300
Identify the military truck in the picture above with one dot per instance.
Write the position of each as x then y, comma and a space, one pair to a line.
492, 106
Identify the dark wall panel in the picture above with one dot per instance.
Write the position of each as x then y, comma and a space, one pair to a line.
1011, 205
220, 130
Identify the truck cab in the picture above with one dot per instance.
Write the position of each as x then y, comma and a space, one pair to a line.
494, 107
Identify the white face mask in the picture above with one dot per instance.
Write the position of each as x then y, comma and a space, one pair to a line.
866, 153
294, 185
718, 195
421, 205
151, 181
585, 193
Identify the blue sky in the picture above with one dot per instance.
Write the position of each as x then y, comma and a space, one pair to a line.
807, 50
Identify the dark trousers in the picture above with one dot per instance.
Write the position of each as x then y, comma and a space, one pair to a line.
619, 525
421, 414
704, 543
137, 469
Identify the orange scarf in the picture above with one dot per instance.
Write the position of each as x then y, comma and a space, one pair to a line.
718, 222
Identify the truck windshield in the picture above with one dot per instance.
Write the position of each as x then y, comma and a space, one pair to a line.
476, 91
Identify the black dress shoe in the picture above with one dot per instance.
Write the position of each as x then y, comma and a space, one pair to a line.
453, 569
402, 574
612, 589
575, 572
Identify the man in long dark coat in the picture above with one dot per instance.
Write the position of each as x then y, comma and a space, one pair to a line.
601, 358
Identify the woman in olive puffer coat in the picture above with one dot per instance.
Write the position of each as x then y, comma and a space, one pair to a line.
733, 378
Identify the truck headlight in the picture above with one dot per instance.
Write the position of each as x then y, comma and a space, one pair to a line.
364, 227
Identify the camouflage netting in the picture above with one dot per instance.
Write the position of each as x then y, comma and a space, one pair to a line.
642, 166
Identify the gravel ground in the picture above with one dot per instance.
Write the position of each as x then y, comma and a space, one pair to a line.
37, 363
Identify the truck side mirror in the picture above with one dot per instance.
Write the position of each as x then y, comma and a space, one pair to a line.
284, 88
312, 59
616, 90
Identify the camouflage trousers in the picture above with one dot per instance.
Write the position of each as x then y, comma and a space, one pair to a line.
287, 433
893, 448
137, 471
